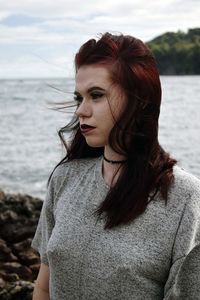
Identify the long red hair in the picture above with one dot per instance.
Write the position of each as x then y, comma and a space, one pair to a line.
149, 169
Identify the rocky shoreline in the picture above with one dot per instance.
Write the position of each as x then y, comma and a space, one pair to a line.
19, 263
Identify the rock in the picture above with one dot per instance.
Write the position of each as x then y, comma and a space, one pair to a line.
22, 245
35, 268
22, 290
2, 283
9, 277
6, 253
19, 263
16, 268
28, 257
2, 195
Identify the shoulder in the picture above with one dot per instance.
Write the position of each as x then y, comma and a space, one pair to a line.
75, 165
68, 174
185, 182
72, 169
185, 189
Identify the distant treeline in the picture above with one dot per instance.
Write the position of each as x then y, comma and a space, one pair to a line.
177, 53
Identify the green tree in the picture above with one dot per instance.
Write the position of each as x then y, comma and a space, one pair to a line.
177, 53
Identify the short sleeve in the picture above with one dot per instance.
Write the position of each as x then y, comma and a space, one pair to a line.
45, 225
184, 277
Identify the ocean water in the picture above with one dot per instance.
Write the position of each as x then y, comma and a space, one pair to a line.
30, 146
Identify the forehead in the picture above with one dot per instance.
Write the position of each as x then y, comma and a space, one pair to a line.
88, 76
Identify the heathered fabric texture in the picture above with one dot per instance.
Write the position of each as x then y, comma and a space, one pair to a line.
157, 256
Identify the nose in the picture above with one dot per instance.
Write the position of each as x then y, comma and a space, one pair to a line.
83, 109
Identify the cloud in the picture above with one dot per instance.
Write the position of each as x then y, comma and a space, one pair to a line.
33, 66
66, 8
19, 20
48, 8
30, 30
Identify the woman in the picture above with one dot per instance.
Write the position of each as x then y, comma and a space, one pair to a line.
120, 220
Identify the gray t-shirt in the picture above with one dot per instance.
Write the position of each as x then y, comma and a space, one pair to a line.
157, 256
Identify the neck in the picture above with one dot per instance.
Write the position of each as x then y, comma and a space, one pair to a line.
110, 169
114, 161
113, 156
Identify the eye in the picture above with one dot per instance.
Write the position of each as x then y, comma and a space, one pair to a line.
96, 95
78, 99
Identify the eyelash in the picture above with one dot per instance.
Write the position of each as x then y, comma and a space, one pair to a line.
97, 95
93, 96
77, 99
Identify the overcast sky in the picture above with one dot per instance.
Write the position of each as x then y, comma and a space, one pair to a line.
38, 38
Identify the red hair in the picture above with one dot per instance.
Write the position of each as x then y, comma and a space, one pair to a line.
149, 168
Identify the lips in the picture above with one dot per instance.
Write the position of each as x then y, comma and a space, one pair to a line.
86, 128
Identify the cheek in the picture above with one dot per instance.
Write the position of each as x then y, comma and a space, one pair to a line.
108, 121
117, 109
105, 116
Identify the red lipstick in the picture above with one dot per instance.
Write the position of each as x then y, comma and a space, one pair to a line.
86, 128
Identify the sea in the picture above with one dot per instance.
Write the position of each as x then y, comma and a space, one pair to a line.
30, 146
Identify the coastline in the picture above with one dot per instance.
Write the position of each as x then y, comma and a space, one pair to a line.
19, 263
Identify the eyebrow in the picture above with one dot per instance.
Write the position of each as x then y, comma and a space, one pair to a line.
91, 90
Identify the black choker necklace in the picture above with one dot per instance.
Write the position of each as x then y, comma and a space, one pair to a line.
115, 161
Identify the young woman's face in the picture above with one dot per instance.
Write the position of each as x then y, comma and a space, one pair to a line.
99, 103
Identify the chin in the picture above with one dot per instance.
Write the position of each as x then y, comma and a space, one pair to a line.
94, 144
